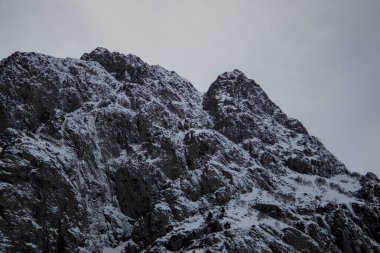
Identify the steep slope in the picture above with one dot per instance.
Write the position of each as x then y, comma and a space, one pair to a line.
109, 151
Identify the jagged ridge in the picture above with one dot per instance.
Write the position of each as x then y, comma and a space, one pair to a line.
109, 150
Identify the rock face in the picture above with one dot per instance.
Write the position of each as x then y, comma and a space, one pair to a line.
110, 152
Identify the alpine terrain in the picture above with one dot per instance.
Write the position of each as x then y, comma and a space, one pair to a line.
107, 153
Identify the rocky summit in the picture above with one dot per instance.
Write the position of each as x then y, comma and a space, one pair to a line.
107, 153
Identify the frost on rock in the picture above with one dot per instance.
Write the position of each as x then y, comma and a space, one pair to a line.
110, 154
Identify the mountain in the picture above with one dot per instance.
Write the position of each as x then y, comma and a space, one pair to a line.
107, 153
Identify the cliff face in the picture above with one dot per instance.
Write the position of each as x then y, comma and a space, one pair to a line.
108, 151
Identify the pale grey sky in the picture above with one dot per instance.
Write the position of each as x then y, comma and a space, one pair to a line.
318, 60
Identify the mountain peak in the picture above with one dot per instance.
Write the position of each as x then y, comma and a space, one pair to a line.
100, 50
122, 67
109, 151
232, 74
101, 54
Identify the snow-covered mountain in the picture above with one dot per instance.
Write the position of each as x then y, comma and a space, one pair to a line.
110, 154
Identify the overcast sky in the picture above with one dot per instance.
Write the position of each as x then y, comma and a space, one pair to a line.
318, 60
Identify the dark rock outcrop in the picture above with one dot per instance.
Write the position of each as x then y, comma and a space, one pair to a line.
108, 151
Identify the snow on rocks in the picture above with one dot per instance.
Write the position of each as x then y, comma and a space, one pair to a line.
111, 154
